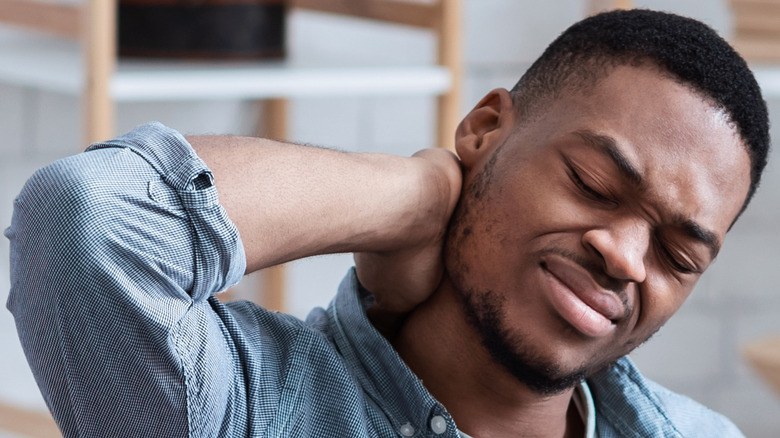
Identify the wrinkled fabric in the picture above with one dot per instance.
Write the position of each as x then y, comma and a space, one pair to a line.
116, 256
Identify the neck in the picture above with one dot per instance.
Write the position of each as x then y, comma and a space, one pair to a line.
445, 352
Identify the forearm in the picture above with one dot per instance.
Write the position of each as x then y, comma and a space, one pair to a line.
291, 201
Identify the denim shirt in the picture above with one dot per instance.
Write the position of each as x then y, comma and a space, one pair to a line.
116, 256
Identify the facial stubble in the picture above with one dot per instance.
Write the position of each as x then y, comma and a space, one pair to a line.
485, 309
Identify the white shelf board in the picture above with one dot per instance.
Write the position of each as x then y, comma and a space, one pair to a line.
55, 65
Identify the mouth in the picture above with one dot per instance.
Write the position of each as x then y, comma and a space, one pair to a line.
578, 299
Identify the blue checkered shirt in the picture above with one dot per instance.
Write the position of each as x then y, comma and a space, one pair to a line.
116, 254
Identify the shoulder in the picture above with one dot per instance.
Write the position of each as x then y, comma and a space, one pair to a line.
628, 403
691, 417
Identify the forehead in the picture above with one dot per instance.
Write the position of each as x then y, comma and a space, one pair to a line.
687, 152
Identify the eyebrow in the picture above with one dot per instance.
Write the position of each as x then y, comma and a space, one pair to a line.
707, 237
608, 146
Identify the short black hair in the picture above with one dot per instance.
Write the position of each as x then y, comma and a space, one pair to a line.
690, 51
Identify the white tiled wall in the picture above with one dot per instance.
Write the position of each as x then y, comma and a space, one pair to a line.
697, 353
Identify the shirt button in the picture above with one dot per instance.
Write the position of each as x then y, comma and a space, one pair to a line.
407, 430
438, 425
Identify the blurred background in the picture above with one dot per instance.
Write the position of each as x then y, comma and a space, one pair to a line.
700, 351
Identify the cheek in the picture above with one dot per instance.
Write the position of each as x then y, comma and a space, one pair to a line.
502, 214
542, 195
658, 301
526, 212
486, 238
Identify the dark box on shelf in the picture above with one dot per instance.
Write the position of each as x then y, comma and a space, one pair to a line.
202, 29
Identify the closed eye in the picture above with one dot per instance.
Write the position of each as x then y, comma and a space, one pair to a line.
674, 260
587, 190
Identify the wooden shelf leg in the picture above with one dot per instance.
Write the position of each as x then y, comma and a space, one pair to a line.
273, 283
596, 6
26, 422
448, 33
99, 52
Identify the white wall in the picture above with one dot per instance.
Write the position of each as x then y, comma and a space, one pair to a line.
697, 353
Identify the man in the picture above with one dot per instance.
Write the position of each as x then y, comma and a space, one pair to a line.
594, 195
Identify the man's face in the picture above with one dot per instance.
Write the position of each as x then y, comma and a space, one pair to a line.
584, 230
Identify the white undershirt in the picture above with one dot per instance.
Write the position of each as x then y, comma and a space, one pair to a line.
583, 400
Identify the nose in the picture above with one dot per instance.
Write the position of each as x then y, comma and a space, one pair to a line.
622, 245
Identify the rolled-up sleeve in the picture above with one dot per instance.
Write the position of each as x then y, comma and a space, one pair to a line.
115, 256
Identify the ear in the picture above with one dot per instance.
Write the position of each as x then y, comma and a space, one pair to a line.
485, 127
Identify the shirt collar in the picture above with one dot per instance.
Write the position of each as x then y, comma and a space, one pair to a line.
384, 376
583, 399
625, 402
378, 368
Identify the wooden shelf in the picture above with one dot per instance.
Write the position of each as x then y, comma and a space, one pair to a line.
82, 60
56, 65
74, 52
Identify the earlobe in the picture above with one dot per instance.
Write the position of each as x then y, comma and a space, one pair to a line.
485, 126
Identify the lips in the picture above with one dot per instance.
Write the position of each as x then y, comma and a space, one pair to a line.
575, 295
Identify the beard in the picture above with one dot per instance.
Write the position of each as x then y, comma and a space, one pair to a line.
484, 309
484, 313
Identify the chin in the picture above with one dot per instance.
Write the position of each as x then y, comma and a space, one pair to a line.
545, 374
